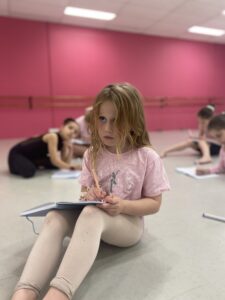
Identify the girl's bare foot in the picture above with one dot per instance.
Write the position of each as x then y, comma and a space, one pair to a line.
204, 160
24, 294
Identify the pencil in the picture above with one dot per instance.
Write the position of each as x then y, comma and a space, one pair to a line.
214, 217
95, 178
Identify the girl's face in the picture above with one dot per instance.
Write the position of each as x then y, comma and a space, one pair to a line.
107, 130
218, 135
203, 122
70, 130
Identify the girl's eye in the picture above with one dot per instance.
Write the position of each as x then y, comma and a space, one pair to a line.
102, 119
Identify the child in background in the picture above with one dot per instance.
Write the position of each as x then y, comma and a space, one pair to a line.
200, 144
41, 152
216, 128
83, 122
129, 178
81, 145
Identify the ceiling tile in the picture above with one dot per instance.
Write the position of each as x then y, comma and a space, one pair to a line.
216, 22
214, 3
41, 2
26, 8
109, 6
164, 5
197, 9
139, 12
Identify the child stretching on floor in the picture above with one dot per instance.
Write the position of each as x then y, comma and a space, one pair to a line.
131, 179
216, 129
204, 148
46, 151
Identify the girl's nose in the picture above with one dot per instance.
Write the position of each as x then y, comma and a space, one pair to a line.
108, 127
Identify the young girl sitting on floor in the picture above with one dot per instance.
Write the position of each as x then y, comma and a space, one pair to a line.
216, 129
131, 180
41, 152
200, 144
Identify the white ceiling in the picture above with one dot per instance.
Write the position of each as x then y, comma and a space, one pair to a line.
168, 18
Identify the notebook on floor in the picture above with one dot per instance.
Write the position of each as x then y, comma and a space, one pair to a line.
66, 174
191, 171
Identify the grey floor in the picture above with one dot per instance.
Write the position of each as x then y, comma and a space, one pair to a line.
181, 255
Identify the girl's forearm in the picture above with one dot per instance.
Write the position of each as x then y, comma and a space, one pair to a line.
66, 155
141, 207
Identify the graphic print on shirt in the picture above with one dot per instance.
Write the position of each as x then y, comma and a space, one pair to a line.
113, 181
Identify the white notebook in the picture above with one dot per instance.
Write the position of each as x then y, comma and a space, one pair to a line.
191, 171
80, 142
66, 174
42, 210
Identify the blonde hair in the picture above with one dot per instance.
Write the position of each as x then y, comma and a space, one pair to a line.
129, 121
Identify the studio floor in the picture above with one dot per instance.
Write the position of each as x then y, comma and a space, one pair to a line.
181, 255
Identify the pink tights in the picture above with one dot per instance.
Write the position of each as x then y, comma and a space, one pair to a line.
86, 229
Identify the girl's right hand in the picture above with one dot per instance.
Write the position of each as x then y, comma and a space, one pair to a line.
201, 172
74, 167
94, 193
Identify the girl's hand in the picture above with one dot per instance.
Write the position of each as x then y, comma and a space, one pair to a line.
95, 193
202, 172
113, 205
74, 167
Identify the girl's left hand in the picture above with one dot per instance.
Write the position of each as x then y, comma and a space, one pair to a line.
113, 205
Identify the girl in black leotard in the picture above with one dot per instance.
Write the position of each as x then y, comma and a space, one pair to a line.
41, 152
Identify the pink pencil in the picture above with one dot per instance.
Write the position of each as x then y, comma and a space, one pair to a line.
95, 178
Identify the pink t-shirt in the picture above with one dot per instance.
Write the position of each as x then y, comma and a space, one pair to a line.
84, 133
220, 168
131, 175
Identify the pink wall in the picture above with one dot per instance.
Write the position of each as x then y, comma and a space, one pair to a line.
158, 66
48, 59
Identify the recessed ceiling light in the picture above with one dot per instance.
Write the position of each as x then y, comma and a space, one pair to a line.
223, 12
89, 13
206, 30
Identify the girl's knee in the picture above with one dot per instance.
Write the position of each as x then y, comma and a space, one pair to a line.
90, 214
90, 211
57, 220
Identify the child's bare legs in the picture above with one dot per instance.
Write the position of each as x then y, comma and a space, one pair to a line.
177, 147
45, 255
92, 225
204, 147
